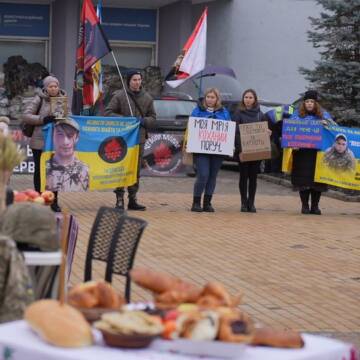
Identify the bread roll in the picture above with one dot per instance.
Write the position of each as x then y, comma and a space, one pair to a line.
60, 325
277, 338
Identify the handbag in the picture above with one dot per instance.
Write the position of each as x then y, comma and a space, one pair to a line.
28, 129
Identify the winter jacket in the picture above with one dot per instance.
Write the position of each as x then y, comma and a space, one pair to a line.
220, 114
246, 116
304, 160
34, 114
118, 106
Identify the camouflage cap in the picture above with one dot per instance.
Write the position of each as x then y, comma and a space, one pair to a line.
68, 121
5, 120
31, 224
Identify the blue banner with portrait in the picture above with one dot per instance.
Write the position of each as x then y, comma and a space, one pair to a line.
338, 160
84, 153
301, 133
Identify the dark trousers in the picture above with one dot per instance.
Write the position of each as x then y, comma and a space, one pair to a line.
133, 189
36, 157
207, 168
248, 181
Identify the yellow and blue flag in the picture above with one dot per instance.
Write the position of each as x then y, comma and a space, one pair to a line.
85, 153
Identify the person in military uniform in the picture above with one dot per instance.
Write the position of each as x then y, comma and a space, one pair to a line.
15, 283
64, 172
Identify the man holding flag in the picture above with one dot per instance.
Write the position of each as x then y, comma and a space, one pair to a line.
133, 100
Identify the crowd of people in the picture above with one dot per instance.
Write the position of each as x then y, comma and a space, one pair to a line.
135, 101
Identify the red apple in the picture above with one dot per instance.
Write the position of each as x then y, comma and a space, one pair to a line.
48, 196
20, 197
32, 194
39, 200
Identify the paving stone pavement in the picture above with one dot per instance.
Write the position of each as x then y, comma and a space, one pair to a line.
295, 271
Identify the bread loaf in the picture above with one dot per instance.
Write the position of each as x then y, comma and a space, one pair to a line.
60, 325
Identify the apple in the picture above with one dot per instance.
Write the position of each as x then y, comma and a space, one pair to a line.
48, 196
20, 197
39, 200
32, 194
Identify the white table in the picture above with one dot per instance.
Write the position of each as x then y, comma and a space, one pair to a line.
18, 340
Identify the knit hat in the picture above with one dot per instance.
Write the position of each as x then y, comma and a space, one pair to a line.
130, 74
50, 79
311, 94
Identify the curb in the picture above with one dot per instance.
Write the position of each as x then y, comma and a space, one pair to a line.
330, 193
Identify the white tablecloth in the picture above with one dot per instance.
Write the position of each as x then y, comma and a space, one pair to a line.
18, 342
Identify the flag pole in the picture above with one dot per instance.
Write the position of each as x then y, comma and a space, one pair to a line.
123, 84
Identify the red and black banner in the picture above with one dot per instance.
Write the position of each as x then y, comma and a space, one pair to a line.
92, 46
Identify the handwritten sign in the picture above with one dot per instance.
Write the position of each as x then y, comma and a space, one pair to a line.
210, 136
255, 141
301, 133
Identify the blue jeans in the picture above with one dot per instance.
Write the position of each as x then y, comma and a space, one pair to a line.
207, 168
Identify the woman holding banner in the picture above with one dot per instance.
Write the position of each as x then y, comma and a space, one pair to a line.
304, 160
38, 113
248, 112
207, 165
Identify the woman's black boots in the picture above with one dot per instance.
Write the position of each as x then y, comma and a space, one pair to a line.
304, 196
207, 207
196, 205
315, 199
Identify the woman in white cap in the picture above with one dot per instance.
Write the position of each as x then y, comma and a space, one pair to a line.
38, 113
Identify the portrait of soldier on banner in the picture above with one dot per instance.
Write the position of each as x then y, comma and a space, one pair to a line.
64, 172
339, 157
58, 107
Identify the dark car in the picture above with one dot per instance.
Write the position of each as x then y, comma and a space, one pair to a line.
173, 111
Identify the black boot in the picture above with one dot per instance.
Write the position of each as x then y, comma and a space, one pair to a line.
134, 205
251, 207
244, 204
196, 205
304, 196
315, 198
207, 204
119, 200
55, 206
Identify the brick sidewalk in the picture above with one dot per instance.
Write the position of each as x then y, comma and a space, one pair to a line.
295, 271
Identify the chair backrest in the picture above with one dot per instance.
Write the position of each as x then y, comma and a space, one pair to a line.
103, 234
123, 249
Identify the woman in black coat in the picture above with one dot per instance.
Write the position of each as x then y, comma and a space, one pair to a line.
248, 112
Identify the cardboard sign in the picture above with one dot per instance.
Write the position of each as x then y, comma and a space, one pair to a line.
210, 136
255, 141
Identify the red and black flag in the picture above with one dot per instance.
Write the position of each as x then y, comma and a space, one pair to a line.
93, 45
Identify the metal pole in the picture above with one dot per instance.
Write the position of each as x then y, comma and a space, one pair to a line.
123, 84
200, 87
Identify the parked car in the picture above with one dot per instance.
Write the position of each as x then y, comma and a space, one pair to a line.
173, 111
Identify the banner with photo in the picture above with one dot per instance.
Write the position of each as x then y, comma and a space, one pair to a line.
338, 160
163, 155
85, 153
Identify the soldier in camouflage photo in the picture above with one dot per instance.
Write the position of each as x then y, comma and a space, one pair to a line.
64, 172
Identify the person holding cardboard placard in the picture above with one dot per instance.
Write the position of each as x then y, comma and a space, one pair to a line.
207, 165
248, 112
304, 160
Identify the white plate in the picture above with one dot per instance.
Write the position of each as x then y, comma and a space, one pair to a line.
200, 348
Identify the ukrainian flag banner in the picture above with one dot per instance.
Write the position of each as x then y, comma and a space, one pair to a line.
85, 153
338, 160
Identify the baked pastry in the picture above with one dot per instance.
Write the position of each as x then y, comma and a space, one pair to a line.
160, 283
59, 324
235, 326
94, 294
130, 323
218, 291
277, 338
